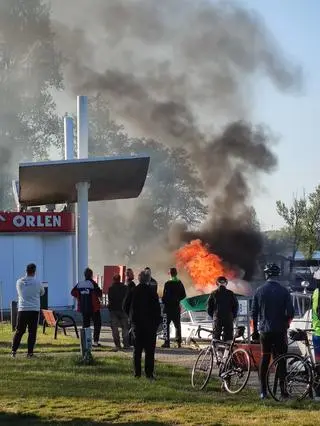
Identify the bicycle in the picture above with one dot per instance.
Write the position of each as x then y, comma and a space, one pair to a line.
233, 364
291, 375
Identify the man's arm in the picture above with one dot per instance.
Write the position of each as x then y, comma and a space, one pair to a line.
127, 302
75, 291
255, 312
235, 306
97, 289
182, 291
289, 307
157, 309
165, 294
42, 290
211, 305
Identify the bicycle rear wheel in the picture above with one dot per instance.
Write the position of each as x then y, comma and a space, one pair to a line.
202, 369
236, 372
289, 377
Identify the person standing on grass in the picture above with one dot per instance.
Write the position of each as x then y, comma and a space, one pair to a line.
272, 308
173, 293
130, 279
118, 318
88, 295
223, 308
143, 308
316, 333
29, 292
150, 280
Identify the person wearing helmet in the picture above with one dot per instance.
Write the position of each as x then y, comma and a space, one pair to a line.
272, 310
223, 308
316, 333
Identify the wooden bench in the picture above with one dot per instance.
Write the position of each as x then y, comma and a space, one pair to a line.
52, 319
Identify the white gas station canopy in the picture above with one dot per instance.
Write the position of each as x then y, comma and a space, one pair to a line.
54, 182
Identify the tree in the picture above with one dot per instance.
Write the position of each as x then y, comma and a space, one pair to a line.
29, 69
294, 218
311, 228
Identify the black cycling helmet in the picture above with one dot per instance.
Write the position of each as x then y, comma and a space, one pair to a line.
272, 270
222, 281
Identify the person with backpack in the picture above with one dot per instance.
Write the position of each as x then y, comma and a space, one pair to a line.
173, 293
88, 295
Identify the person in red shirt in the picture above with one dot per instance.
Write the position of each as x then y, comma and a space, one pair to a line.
88, 295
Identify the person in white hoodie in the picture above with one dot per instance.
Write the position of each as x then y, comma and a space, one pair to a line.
29, 290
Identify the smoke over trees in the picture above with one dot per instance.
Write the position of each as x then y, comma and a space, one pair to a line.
182, 73
180, 76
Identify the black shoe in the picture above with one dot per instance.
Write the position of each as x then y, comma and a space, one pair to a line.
30, 355
165, 345
137, 376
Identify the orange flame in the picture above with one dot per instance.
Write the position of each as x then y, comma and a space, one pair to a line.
202, 266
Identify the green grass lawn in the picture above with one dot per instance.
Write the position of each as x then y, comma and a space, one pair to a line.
56, 390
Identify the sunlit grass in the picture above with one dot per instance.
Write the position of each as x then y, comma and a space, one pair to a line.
56, 390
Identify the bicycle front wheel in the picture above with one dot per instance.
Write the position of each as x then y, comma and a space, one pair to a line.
202, 369
236, 372
289, 377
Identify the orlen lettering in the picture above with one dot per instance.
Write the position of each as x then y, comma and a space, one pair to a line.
31, 221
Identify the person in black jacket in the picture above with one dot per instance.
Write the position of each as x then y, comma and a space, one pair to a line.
223, 308
173, 293
272, 307
130, 279
150, 280
143, 308
118, 318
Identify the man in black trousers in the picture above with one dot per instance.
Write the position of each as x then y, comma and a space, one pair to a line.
29, 291
143, 308
173, 293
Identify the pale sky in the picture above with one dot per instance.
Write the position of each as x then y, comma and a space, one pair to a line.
295, 118
296, 26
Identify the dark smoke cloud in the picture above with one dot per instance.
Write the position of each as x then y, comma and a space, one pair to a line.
183, 72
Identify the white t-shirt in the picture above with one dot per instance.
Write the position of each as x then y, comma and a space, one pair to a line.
29, 291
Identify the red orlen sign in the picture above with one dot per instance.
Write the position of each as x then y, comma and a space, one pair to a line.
37, 222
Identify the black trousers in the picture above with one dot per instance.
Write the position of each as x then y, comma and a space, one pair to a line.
96, 319
275, 344
26, 319
144, 339
173, 316
225, 325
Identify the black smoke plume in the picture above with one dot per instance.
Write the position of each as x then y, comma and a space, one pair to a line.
183, 72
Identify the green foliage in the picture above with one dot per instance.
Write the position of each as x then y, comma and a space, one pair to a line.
294, 218
302, 223
29, 69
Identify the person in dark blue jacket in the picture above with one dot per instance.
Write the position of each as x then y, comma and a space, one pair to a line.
272, 311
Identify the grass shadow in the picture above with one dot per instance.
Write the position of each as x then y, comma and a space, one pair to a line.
12, 419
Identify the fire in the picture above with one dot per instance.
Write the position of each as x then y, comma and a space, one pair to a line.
202, 266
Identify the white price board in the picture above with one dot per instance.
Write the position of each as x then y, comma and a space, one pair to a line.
243, 307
